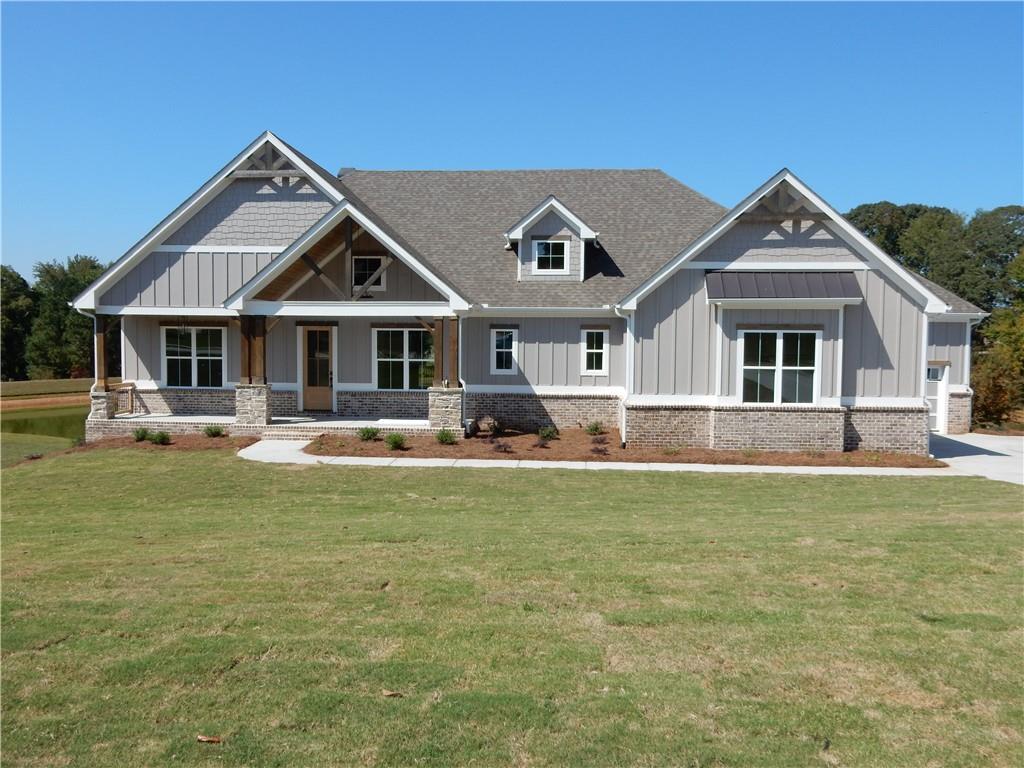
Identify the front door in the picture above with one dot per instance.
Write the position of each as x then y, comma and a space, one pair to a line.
318, 373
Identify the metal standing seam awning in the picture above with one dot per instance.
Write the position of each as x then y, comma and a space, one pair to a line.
783, 287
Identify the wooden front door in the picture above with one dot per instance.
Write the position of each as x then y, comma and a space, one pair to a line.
318, 371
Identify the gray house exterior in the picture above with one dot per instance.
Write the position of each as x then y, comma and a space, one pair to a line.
283, 299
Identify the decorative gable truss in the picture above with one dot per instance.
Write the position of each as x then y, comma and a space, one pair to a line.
266, 157
544, 220
793, 211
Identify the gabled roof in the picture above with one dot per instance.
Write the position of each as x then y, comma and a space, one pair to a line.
956, 304
903, 276
455, 220
324, 181
548, 204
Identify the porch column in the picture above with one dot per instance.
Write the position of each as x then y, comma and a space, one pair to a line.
252, 395
102, 401
445, 397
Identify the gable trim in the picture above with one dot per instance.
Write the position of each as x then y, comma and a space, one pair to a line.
550, 203
344, 208
835, 222
215, 185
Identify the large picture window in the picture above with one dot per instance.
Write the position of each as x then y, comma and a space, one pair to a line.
551, 256
779, 366
194, 357
404, 358
504, 350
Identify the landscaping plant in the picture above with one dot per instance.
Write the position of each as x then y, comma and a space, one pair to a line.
595, 428
395, 441
159, 438
140, 434
213, 430
548, 433
446, 437
366, 434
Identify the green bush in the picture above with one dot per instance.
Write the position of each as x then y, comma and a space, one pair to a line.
140, 434
160, 438
548, 433
595, 428
446, 437
366, 434
212, 430
395, 441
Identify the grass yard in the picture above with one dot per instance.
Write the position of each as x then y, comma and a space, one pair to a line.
43, 387
526, 618
16, 447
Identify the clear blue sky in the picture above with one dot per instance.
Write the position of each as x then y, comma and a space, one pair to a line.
113, 114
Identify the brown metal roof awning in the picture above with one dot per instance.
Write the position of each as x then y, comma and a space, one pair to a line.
785, 285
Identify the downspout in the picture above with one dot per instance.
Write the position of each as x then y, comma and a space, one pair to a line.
628, 388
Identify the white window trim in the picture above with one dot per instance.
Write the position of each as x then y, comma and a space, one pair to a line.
492, 350
565, 269
605, 350
405, 358
195, 364
383, 275
815, 386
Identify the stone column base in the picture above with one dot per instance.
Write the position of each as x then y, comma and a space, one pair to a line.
102, 405
445, 408
252, 404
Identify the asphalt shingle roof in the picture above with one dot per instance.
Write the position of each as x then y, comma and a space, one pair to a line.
956, 304
455, 220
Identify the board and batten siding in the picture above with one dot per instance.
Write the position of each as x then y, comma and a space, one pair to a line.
550, 226
260, 212
777, 242
947, 343
549, 352
675, 339
882, 338
141, 361
825, 320
193, 279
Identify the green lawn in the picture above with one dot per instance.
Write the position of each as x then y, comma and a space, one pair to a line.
527, 617
15, 447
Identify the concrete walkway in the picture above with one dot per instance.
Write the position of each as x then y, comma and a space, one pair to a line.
991, 456
290, 452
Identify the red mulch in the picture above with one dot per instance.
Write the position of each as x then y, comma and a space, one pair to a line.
577, 445
178, 443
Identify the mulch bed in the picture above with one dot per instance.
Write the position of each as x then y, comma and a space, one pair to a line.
577, 445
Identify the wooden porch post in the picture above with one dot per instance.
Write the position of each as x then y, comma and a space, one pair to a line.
453, 352
100, 332
245, 376
258, 350
438, 334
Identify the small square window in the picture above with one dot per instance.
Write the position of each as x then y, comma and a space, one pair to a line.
363, 268
550, 256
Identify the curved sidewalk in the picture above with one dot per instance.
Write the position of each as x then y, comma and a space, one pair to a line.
290, 452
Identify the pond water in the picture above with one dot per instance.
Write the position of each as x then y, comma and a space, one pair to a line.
58, 422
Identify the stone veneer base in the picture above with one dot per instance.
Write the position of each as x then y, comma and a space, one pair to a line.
532, 411
899, 430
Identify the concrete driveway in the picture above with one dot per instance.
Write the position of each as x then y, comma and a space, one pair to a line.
997, 458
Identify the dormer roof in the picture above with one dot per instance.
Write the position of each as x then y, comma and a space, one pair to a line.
547, 205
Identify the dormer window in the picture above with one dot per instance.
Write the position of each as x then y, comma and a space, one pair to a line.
550, 257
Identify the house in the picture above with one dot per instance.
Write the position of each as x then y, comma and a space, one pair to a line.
282, 298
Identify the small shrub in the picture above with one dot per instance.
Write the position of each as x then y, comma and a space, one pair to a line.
140, 434
749, 453
366, 434
446, 437
595, 428
160, 438
395, 441
501, 446
548, 433
212, 430
540, 442
599, 440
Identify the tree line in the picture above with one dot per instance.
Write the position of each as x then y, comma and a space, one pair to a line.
980, 258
